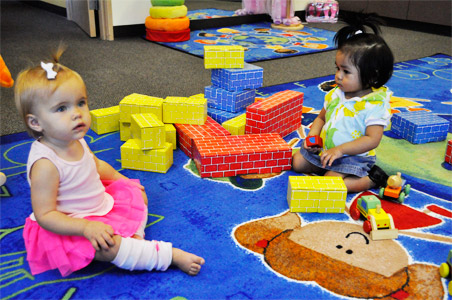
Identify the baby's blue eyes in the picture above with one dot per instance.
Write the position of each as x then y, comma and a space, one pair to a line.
61, 109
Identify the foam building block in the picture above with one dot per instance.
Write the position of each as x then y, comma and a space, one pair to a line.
140, 104
236, 126
216, 57
171, 136
233, 80
323, 194
419, 127
280, 113
223, 156
124, 131
187, 133
222, 116
154, 160
448, 156
148, 130
105, 120
229, 101
191, 110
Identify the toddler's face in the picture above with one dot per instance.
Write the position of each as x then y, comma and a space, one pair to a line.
347, 77
65, 115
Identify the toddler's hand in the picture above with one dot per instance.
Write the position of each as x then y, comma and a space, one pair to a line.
99, 234
137, 185
329, 156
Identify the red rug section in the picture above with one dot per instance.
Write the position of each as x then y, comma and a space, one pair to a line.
440, 211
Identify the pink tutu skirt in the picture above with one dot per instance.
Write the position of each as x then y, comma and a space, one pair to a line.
47, 250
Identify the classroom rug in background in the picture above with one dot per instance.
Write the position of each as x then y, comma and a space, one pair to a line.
254, 248
209, 13
261, 42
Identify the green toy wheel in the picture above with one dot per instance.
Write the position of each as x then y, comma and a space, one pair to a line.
401, 197
367, 227
444, 270
381, 193
407, 189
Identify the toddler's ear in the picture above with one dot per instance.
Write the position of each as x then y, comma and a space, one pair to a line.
33, 123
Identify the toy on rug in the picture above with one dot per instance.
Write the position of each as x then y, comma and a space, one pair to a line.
5, 76
379, 224
322, 11
281, 12
2, 179
5, 81
396, 189
167, 21
445, 270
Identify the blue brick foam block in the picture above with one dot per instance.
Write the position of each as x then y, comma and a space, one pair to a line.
221, 116
233, 80
419, 127
229, 101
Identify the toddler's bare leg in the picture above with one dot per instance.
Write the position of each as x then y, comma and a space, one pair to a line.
301, 165
187, 262
354, 184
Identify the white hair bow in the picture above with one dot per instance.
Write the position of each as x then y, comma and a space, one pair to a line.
51, 74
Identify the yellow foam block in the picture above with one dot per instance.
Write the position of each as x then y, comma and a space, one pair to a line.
171, 136
105, 120
324, 194
176, 24
155, 160
219, 57
236, 126
138, 103
124, 131
149, 130
183, 110
168, 12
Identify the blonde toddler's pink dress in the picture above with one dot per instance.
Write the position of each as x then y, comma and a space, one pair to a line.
81, 194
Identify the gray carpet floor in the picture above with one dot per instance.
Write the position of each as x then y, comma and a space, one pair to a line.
115, 69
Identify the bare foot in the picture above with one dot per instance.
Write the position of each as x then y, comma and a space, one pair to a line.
187, 262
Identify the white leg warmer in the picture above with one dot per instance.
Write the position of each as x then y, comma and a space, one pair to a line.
140, 230
136, 254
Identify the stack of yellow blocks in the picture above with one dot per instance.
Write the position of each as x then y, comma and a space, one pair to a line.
323, 194
185, 110
147, 150
137, 104
105, 120
235, 126
218, 57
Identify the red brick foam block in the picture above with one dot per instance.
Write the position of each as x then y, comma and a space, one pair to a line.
223, 156
186, 133
280, 113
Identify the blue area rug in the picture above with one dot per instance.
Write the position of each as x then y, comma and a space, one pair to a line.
261, 42
209, 13
252, 246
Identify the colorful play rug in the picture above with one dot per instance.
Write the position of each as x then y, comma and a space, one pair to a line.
209, 13
253, 247
261, 42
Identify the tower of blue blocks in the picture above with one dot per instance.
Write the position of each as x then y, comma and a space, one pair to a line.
419, 127
232, 90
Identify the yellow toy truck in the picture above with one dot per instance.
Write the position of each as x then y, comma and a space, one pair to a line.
378, 223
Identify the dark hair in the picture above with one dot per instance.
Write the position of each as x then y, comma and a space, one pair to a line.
367, 51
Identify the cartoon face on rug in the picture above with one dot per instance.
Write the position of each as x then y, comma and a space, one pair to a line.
338, 256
